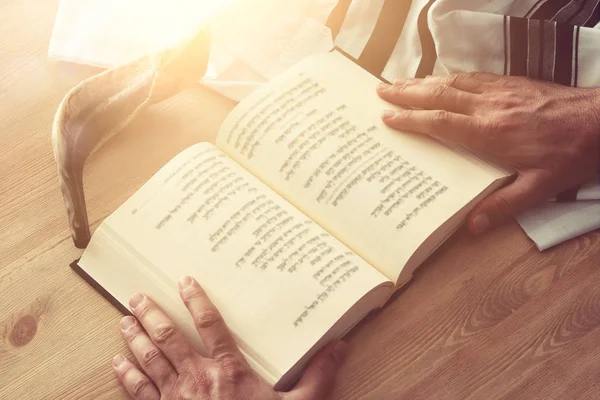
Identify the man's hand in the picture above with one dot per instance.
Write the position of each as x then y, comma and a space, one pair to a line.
548, 132
174, 370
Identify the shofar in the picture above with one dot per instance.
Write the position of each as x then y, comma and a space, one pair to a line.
102, 105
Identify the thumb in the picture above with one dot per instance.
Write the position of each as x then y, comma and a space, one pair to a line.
524, 192
320, 373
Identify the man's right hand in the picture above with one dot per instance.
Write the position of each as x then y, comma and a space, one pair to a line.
174, 370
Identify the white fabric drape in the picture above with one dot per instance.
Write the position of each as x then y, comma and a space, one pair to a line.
253, 40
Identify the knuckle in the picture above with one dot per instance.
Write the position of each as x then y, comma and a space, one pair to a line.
207, 318
326, 370
503, 206
151, 355
222, 347
234, 368
130, 335
124, 374
192, 293
439, 91
397, 90
450, 80
440, 117
404, 115
506, 101
142, 310
164, 333
492, 126
512, 98
140, 387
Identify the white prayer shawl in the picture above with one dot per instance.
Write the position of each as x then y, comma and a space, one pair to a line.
547, 40
253, 40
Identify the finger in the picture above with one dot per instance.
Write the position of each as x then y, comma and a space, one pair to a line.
163, 332
208, 320
152, 360
462, 82
526, 191
474, 82
444, 125
430, 96
135, 382
465, 82
407, 82
319, 376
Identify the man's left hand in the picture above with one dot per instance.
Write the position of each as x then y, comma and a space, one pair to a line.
550, 133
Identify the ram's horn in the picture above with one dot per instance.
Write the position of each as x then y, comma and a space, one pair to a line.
102, 105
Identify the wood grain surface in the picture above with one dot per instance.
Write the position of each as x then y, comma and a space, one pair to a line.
485, 318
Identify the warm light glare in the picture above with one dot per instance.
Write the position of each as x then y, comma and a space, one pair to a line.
106, 33
165, 22
268, 35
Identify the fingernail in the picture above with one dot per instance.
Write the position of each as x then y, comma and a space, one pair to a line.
127, 323
340, 350
135, 300
118, 360
387, 114
481, 223
383, 86
185, 282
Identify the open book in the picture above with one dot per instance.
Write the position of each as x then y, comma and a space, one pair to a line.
304, 217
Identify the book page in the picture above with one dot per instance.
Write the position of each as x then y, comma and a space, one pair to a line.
280, 281
315, 135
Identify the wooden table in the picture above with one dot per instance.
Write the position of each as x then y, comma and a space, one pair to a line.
486, 318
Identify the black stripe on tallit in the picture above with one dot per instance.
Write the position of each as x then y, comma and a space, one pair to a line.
518, 47
506, 44
563, 54
528, 14
384, 37
549, 9
428, 52
576, 72
337, 16
594, 18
